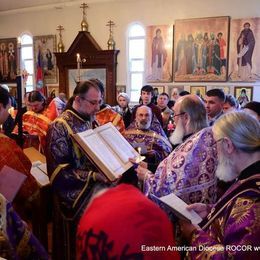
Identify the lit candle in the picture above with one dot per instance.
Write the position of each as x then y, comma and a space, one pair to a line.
139, 150
78, 58
170, 125
78, 65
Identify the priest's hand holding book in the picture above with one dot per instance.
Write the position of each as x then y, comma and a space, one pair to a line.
187, 228
141, 169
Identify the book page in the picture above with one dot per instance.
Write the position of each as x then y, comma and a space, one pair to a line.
96, 146
39, 172
103, 152
178, 205
117, 142
107, 149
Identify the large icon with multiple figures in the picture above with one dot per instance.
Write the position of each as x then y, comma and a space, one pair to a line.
201, 49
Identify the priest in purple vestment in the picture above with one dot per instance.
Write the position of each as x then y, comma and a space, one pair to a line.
16, 239
146, 134
189, 171
231, 228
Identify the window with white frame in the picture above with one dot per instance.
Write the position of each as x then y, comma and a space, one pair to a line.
27, 66
136, 53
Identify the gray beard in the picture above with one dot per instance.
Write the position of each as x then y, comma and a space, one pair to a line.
143, 126
226, 169
178, 134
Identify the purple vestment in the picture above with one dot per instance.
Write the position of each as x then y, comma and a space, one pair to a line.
16, 240
188, 172
232, 229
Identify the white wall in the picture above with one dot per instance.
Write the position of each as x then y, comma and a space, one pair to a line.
123, 12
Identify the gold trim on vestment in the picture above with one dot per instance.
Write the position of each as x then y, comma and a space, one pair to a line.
41, 116
84, 188
150, 133
22, 248
116, 119
57, 170
70, 111
210, 220
70, 131
34, 126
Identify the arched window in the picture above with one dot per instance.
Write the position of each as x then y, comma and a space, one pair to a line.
27, 60
136, 51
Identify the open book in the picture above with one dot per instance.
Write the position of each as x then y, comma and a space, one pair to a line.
178, 207
107, 149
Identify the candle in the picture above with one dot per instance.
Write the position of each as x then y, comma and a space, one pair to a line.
170, 125
78, 58
139, 150
78, 65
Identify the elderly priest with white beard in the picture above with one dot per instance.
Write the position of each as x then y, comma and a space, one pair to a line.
231, 228
145, 133
189, 171
189, 117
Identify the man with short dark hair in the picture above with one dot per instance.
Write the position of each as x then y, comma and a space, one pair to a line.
36, 121
72, 175
106, 113
146, 98
166, 112
214, 101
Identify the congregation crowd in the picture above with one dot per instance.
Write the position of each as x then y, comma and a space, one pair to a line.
204, 150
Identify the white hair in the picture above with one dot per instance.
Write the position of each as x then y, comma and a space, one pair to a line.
241, 128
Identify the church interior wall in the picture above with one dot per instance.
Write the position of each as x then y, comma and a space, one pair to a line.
44, 20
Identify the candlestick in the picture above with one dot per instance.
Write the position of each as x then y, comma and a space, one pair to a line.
19, 55
78, 66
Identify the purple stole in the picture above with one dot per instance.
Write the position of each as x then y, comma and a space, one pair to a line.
250, 185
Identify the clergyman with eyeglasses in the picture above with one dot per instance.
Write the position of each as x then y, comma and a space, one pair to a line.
72, 175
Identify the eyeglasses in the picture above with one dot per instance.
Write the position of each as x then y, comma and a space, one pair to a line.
179, 114
93, 102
